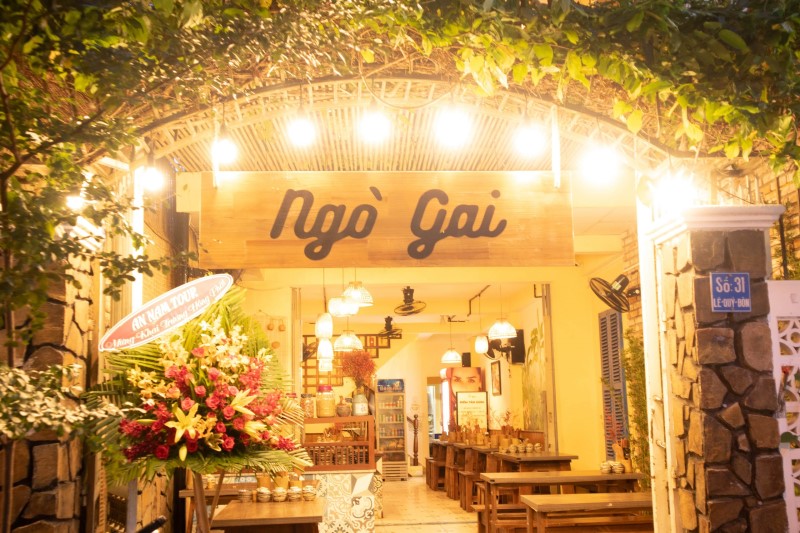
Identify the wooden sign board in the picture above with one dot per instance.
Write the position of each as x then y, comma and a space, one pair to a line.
333, 219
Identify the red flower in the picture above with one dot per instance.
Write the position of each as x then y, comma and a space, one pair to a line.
162, 451
191, 445
227, 443
220, 427
200, 391
200, 351
213, 373
285, 444
238, 423
171, 372
187, 404
212, 402
228, 412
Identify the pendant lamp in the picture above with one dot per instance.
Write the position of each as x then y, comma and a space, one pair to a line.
347, 341
356, 293
338, 307
324, 350
451, 357
325, 365
323, 327
502, 329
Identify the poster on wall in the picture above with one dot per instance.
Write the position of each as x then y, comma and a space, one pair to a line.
472, 409
534, 374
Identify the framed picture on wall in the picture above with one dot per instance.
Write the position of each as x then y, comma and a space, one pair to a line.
496, 384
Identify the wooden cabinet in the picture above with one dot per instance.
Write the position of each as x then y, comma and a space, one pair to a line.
340, 443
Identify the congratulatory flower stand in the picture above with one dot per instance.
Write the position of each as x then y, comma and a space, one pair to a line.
207, 397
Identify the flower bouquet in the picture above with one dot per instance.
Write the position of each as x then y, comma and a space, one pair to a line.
359, 365
207, 398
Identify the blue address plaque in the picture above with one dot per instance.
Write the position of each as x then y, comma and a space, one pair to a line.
730, 292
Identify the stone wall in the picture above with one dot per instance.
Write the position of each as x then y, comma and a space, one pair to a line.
47, 470
723, 398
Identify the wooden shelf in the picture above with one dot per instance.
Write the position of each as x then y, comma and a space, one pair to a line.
345, 454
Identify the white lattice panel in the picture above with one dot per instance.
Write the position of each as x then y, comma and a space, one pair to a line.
784, 322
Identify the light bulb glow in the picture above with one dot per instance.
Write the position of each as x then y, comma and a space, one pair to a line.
481, 344
152, 178
374, 127
600, 165
339, 307
453, 127
75, 202
301, 132
224, 151
347, 342
674, 192
529, 140
324, 349
323, 327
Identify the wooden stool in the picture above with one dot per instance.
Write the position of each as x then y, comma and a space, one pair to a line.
437, 474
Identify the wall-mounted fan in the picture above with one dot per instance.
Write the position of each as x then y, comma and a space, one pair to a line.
389, 331
410, 305
614, 294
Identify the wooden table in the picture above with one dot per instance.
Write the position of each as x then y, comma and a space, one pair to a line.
515, 484
534, 461
272, 517
228, 492
624, 511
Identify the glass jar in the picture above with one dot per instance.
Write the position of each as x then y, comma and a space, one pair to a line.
344, 407
360, 404
326, 401
307, 403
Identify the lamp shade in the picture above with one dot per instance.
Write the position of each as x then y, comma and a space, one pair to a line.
482, 344
357, 294
502, 329
324, 349
323, 327
338, 307
325, 365
451, 357
347, 342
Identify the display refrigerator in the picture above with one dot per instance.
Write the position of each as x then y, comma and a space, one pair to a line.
390, 422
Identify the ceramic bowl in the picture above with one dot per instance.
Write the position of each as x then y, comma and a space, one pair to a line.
279, 494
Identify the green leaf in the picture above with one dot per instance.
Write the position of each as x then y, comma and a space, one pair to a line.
732, 149
733, 40
634, 121
635, 21
368, 55
164, 6
519, 72
544, 53
572, 36
747, 148
620, 108
574, 66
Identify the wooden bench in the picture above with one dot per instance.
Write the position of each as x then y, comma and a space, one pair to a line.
618, 511
434, 473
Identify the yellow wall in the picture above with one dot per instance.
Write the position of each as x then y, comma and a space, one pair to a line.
575, 344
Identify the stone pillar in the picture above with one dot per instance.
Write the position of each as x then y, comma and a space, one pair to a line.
720, 395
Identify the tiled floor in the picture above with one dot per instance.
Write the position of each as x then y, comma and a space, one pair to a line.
410, 506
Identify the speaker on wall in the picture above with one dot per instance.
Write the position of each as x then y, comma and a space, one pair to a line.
466, 359
518, 349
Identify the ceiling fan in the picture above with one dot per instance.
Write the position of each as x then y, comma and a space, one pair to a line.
614, 294
389, 331
410, 305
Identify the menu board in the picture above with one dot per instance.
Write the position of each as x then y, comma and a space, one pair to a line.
472, 409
